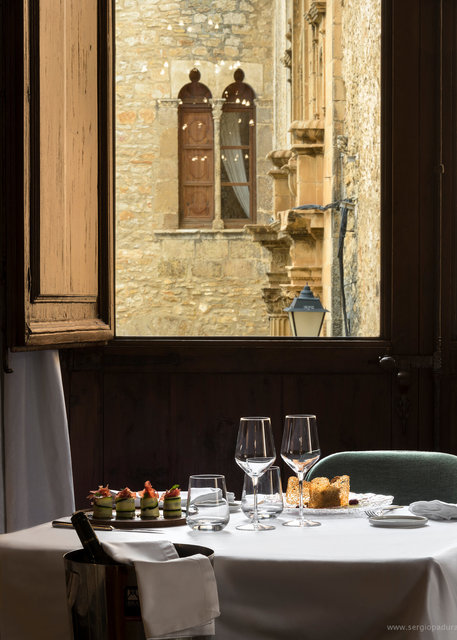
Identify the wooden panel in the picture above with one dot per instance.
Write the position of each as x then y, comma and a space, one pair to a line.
198, 202
60, 254
86, 433
196, 165
196, 128
68, 147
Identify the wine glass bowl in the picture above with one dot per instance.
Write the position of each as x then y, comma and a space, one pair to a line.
255, 453
300, 451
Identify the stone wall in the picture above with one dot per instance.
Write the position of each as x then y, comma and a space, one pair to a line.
361, 39
216, 278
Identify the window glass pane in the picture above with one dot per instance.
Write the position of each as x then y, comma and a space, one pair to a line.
235, 128
312, 137
235, 202
235, 165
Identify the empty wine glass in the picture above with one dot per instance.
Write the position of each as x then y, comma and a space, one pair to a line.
300, 450
255, 453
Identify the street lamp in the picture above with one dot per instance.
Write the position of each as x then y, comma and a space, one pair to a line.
306, 314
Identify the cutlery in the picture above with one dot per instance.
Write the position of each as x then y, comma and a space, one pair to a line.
371, 513
68, 525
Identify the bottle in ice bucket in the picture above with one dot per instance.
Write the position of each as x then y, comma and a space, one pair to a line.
89, 540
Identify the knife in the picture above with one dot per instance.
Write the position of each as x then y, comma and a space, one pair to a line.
60, 524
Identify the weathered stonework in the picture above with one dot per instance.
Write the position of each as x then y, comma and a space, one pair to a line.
315, 68
171, 281
334, 60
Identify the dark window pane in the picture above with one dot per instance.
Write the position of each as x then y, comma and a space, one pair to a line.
235, 202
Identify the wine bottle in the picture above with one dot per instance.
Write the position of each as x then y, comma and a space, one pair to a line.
89, 539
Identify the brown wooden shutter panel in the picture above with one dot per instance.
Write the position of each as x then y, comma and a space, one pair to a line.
65, 236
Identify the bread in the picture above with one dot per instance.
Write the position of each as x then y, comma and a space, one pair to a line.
325, 493
320, 493
292, 492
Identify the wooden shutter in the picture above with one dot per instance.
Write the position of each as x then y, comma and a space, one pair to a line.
197, 167
59, 255
196, 154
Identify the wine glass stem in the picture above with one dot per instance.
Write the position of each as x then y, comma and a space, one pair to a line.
300, 493
255, 516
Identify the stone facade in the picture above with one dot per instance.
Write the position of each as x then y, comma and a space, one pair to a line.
332, 50
314, 66
171, 281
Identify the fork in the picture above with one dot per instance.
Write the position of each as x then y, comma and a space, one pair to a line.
371, 513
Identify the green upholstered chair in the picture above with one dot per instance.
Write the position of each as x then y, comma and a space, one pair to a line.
407, 475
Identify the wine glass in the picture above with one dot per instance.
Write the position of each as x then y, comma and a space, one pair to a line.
300, 450
255, 453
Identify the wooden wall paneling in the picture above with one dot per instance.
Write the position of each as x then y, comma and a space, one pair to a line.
426, 436
138, 435
406, 138
87, 436
428, 216
351, 415
206, 409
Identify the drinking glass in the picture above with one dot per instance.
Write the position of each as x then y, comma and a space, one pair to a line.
255, 453
207, 506
300, 450
269, 495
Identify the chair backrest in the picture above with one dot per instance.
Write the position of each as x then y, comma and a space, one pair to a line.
407, 475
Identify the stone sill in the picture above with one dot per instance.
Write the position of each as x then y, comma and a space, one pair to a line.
186, 233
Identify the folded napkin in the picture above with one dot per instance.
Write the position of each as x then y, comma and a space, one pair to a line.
434, 509
178, 596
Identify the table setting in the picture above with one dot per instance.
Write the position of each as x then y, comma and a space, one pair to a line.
366, 563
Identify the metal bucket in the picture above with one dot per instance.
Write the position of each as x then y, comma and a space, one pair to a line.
103, 599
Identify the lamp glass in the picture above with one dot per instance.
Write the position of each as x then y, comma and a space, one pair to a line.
306, 324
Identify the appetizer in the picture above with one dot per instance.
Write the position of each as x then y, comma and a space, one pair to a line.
172, 502
149, 501
102, 503
125, 503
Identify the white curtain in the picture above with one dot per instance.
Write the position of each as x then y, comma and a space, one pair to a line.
37, 473
233, 158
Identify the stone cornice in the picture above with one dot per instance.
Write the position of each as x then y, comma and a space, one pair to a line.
168, 102
279, 157
316, 12
307, 130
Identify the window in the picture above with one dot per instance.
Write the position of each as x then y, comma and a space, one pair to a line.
238, 152
220, 195
196, 154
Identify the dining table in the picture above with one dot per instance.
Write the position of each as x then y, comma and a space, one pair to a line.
345, 579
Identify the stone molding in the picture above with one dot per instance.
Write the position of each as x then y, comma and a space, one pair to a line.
168, 102
316, 12
307, 131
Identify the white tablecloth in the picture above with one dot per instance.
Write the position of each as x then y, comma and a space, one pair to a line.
342, 580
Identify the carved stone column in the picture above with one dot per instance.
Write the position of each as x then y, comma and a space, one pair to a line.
217, 104
268, 236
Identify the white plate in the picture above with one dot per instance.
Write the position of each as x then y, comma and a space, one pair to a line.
365, 501
400, 522
235, 506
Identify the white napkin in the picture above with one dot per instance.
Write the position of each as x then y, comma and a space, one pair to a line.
178, 596
434, 509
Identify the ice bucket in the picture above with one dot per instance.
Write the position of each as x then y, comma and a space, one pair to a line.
103, 599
